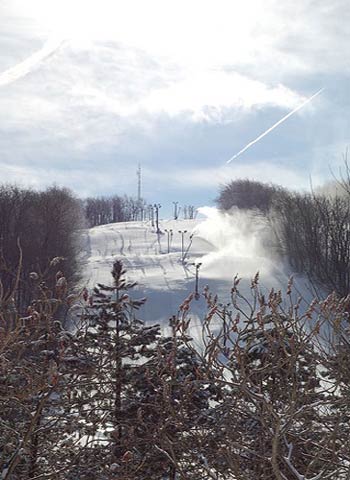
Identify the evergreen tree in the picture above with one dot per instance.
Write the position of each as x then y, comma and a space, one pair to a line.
142, 399
108, 397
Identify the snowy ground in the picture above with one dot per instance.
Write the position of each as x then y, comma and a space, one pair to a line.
226, 245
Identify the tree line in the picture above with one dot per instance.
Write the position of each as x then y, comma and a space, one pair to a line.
35, 227
264, 394
103, 210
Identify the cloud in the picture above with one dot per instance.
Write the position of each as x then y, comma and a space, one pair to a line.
210, 95
91, 96
209, 60
275, 125
84, 181
317, 35
171, 82
26, 66
215, 176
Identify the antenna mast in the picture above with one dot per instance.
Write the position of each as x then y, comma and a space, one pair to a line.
139, 183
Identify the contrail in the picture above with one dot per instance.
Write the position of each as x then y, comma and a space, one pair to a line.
275, 125
23, 68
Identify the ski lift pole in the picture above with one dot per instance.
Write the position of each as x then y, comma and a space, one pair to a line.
196, 288
189, 246
183, 232
151, 214
175, 210
157, 206
196, 295
170, 234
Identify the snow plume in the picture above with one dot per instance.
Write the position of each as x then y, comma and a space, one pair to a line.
23, 68
241, 243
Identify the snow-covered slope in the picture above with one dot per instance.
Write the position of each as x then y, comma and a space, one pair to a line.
161, 276
226, 245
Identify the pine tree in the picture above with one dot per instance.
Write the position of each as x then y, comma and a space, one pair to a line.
138, 405
118, 346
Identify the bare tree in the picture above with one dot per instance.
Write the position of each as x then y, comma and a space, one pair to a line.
45, 225
314, 233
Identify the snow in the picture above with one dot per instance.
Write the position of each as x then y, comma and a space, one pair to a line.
225, 244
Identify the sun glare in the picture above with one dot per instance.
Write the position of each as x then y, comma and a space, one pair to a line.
191, 32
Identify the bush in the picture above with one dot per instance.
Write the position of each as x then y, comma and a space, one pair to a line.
247, 194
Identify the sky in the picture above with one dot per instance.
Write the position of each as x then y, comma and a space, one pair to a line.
90, 89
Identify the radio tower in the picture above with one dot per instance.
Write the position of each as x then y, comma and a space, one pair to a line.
139, 183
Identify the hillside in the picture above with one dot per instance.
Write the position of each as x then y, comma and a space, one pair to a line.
225, 244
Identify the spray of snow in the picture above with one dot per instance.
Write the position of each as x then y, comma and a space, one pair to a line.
23, 68
243, 243
238, 240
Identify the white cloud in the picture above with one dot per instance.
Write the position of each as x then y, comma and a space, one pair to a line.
95, 96
82, 179
127, 66
206, 94
138, 60
186, 31
26, 66
270, 35
213, 177
91, 95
